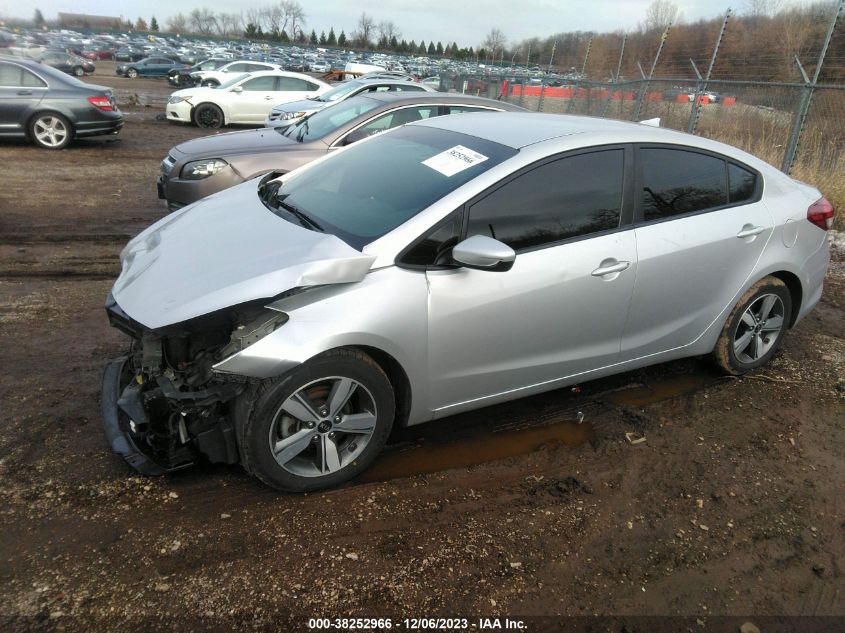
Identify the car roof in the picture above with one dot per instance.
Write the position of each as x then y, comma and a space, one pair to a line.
520, 129
404, 98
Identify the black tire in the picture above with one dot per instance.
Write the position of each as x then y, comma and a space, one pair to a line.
257, 409
131, 73
736, 361
79, 71
54, 120
209, 116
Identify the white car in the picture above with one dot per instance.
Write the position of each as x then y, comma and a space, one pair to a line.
246, 98
227, 71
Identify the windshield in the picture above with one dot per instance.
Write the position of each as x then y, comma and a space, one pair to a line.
328, 120
367, 190
232, 81
336, 93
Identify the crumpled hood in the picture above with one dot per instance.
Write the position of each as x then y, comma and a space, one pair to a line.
247, 141
223, 251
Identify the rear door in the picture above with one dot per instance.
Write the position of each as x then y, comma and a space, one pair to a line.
294, 89
700, 230
20, 92
561, 309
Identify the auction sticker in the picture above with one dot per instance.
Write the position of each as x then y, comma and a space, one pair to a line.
454, 160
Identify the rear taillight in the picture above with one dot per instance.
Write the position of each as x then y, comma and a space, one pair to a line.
821, 214
101, 103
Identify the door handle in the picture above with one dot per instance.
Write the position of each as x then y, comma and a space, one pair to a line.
750, 230
24, 93
618, 267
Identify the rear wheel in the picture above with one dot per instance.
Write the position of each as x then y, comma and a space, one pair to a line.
132, 73
208, 115
755, 329
79, 71
51, 131
318, 426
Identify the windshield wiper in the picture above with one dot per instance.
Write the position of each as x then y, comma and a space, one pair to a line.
302, 217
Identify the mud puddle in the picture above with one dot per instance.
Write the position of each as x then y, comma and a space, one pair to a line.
427, 459
664, 389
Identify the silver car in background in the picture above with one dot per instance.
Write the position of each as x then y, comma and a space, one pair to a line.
286, 114
289, 323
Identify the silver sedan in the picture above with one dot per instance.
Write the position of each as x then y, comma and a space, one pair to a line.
444, 266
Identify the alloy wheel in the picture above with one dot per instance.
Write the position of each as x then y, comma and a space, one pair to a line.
50, 131
323, 426
759, 328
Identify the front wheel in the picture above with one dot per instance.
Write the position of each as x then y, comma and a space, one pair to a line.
79, 71
755, 329
51, 131
208, 115
131, 73
319, 425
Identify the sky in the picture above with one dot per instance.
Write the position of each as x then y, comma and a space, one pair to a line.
463, 21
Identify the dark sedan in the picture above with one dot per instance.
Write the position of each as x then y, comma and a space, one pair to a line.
149, 67
129, 54
51, 108
204, 166
67, 63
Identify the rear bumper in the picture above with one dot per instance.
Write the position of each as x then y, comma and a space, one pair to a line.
96, 128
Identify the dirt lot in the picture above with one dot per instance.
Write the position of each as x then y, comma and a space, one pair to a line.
732, 506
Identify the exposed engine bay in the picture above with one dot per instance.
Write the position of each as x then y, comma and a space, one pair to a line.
170, 408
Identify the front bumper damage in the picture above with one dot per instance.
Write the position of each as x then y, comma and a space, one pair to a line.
156, 419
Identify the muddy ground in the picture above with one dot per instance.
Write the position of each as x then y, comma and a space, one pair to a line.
733, 505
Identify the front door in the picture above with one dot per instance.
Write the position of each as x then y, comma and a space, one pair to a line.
561, 309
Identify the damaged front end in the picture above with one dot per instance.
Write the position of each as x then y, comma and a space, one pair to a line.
163, 407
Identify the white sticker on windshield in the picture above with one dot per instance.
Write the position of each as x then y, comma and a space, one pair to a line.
454, 160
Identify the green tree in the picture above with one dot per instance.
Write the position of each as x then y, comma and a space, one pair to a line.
323, 39
394, 44
259, 33
341, 40
439, 49
38, 18
284, 37
313, 39
421, 48
431, 49
251, 31
332, 39
411, 47
154, 24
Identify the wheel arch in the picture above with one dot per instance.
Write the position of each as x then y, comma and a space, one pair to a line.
796, 291
398, 380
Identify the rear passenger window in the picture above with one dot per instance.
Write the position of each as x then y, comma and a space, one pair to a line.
742, 183
678, 181
29, 80
567, 198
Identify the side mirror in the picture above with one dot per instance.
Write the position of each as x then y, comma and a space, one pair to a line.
484, 253
237, 89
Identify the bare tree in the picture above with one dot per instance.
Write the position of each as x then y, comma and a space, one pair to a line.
762, 8
273, 18
387, 30
293, 15
660, 14
229, 24
177, 23
203, 21
365, 30
494, 41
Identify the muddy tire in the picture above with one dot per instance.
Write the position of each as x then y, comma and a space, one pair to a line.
131, 73
317, 426
208, 115
755, 328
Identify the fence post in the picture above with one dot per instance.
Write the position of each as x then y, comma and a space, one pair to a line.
644, 88
542, 91
615, 78
696, 106
571, 106
807, 96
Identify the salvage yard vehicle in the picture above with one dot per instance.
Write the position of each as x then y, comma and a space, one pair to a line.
149, 67
67, 63
213, 77
290, 322
51, 108
244, 99
287, 114
203, 166
183, 77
